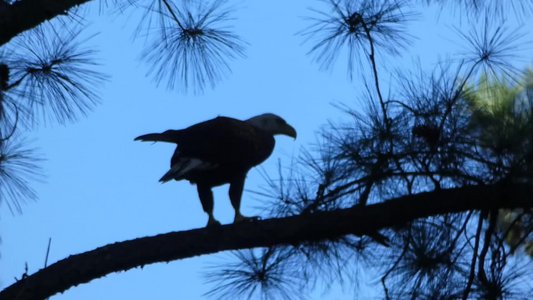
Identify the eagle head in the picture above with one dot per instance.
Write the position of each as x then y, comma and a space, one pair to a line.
273, 124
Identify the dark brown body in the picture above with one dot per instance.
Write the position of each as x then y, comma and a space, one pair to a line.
232, 147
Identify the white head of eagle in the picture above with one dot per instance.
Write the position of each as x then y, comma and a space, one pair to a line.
219, 151
272, 124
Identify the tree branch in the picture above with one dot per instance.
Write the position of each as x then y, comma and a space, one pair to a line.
122, 256
27, 14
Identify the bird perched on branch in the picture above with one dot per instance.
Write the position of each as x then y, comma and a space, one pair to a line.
219, 151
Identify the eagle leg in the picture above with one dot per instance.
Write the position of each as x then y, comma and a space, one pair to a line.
235, 195
206, 198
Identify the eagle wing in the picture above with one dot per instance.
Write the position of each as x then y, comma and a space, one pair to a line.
224, 141
224, 147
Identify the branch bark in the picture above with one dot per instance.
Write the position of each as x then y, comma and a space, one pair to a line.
358, 220
27, 14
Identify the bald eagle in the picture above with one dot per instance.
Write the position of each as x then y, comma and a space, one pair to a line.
219, 151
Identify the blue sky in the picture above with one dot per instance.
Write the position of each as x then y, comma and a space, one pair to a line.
101, 187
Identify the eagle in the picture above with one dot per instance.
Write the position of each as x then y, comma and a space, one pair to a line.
219, 151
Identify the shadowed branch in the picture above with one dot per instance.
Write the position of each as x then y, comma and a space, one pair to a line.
26, 14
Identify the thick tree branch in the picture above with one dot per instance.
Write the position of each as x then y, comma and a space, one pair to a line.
359, 220
27, 14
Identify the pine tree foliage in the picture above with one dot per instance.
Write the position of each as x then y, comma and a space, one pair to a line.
467, 122
47, 75
191, 43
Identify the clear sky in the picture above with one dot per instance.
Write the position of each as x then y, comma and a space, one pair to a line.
101, 187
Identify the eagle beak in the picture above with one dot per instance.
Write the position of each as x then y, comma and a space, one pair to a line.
289, 130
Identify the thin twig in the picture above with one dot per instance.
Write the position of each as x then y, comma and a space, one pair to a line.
486, 243
474, 258
510, 227
372, 57
389, 271
47, 252
386, 119
465, 223
457, 94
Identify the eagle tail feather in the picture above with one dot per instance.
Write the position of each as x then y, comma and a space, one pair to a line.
169, 136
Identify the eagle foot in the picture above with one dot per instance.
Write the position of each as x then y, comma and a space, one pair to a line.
241, 218
213, 223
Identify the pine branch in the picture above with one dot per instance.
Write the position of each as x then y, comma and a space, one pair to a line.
358, 220
23, 15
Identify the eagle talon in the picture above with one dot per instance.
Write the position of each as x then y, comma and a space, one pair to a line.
241, 218
213, 223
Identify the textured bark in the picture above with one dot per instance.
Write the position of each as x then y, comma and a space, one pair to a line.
27, 14
121, 256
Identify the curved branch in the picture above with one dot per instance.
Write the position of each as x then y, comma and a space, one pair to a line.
12, 132
27, 14
358, 220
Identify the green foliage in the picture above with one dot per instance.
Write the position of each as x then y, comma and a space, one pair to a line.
502, 120
501, 115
